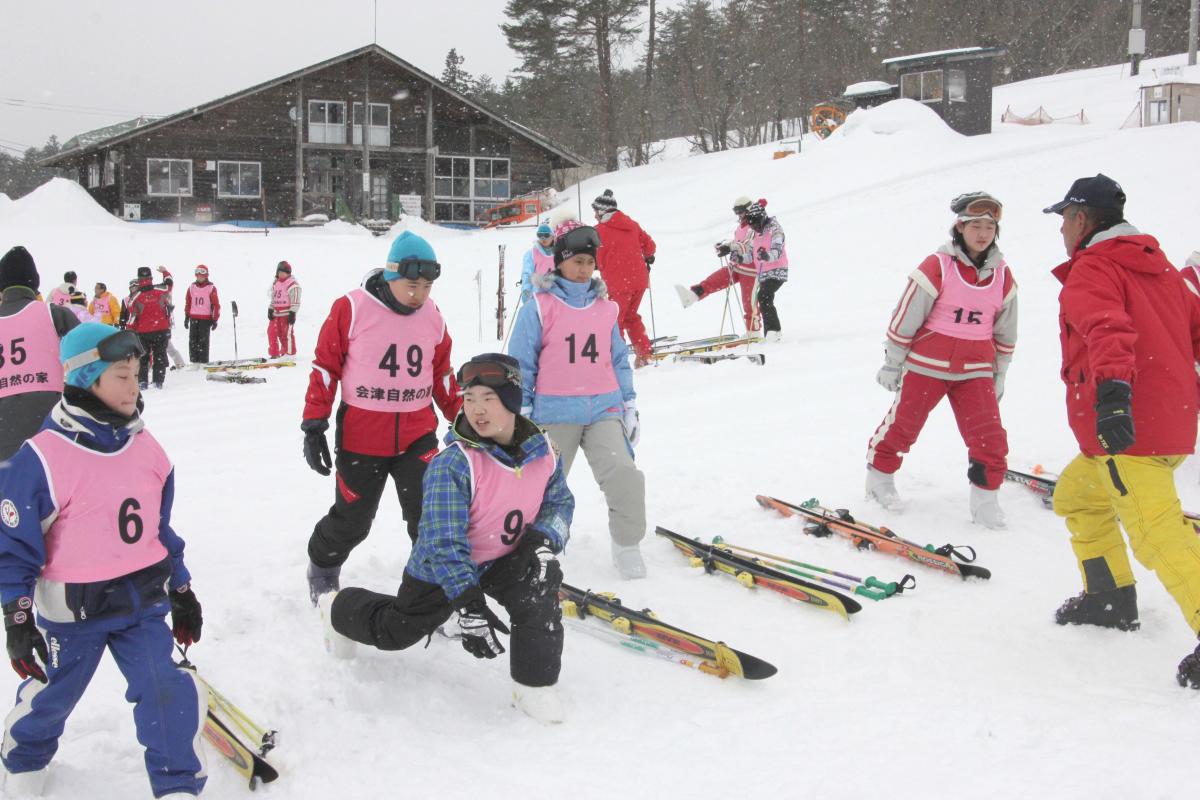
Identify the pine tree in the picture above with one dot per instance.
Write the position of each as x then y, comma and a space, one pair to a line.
453, 74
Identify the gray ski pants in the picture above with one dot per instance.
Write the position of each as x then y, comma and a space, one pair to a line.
608, 453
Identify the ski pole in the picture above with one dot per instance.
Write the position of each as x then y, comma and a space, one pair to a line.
889, 587
512, 324
233, 305
650, 291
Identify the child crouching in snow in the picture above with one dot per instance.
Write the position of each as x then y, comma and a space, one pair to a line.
496, 511
85, 515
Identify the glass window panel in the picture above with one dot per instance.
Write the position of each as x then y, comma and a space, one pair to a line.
462, 212
910, 86
462, 167
181, 177
444, 167
357, 114
500, 189
379, 137
316, 112
336, 113
483, 168
483, 188
956, 85
251, 180
380, 114
499, 168
442, 211
462, 188
441, 186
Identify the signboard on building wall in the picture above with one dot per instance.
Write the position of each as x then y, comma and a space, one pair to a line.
410, 204
132, 211
204, 212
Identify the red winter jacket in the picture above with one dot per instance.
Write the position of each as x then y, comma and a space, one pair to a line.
150, 311
622, 254
373, 433
1125, 313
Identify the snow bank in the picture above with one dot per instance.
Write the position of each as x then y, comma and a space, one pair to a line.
58, 201
342, 228
895, 117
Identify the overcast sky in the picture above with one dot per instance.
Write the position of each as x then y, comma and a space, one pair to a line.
74, 65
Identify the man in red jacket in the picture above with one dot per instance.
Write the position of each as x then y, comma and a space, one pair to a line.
388, 346
1130, 334
625, 255
150, 319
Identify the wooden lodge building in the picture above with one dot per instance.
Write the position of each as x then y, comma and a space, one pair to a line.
294, 146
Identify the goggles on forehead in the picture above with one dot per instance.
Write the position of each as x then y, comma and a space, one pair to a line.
117, 347
981, 209
579, 240
491, 374
413, 268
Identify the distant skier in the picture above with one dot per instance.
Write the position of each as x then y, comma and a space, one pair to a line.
149, 318
387, 344
952, 335
61, 295
125, 303
539, 260
1191, 272
744, 273
78, 305
497, 513
31, 381
105, 307
1130, 334
86, 512
281, 314
624, 263
201, 312
167, 284
578, 384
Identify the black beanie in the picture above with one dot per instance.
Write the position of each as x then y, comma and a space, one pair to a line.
17, 269
509, 393
70, 277
283, 266
605, 202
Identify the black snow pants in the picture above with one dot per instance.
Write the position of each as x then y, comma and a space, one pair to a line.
766, 303
155, 345
418, 608
198, 331
359, 487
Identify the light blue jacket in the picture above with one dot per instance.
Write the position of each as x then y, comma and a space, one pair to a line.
527, 269
526, 346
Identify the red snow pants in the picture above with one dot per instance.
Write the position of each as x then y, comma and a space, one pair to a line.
281, 339
975, 409
725, 276
630, 322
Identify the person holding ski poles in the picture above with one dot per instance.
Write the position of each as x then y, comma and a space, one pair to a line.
744, 273
951, 335
577, 383
387, 344
201, 312
624, 263
538, 260
1130, 334
281, 314
89, 563
497, 512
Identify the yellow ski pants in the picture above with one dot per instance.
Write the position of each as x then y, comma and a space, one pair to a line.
1098, 495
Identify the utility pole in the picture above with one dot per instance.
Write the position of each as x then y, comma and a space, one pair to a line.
1193, 25
366, 155
1137, 39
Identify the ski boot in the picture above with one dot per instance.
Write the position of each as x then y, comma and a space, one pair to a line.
773, 337
322, 580
985, 508
1113, 608
1189, 670
628, 561
25, 784
336, 644
539, 702
687, 296
881, 487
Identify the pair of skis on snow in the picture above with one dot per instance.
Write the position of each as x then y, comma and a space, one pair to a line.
235, 371
708, 350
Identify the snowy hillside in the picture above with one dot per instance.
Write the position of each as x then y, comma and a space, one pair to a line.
957, 689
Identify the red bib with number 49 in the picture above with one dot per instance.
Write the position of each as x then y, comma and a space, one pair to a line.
389, 363
503, 501
108, 507
576, 358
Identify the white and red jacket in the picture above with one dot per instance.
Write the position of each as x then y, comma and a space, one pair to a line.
201, 302
911, 336
285, 296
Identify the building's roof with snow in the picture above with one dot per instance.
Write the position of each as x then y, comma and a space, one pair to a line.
98, 135
867, 87
959, 54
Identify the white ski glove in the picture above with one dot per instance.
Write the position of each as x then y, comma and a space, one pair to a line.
999, 380
632, 423
888, 376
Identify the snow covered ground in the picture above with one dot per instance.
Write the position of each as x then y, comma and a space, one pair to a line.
963, 689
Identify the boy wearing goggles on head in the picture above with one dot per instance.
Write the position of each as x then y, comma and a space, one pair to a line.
579, 386
497, 510
387, 345
952, 335
89, 562
539, 260
281, 315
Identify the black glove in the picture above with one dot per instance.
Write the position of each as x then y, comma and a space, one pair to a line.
542, 569
1114, 416
270, 315
23, 639
186, 321
763, 255
291, 318
723, 249
316, 448
186, 618
649, 260
478, 625
214, 325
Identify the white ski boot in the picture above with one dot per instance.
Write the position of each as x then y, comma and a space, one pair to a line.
686, 295
539, 702
774, 337
985, 508
628, 561
25, 784
881, 487
336, 644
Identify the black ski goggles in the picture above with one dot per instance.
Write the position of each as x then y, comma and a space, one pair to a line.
491, 374
117, 347
578, 240
410, 269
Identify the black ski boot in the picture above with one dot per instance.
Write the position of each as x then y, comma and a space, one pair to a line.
322, 580
1189, 670
1115, 608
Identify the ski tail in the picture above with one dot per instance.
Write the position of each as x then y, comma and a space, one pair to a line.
253, 767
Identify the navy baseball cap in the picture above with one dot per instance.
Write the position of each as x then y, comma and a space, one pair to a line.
1100, 191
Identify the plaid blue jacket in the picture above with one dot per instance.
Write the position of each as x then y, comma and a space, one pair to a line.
442, 554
